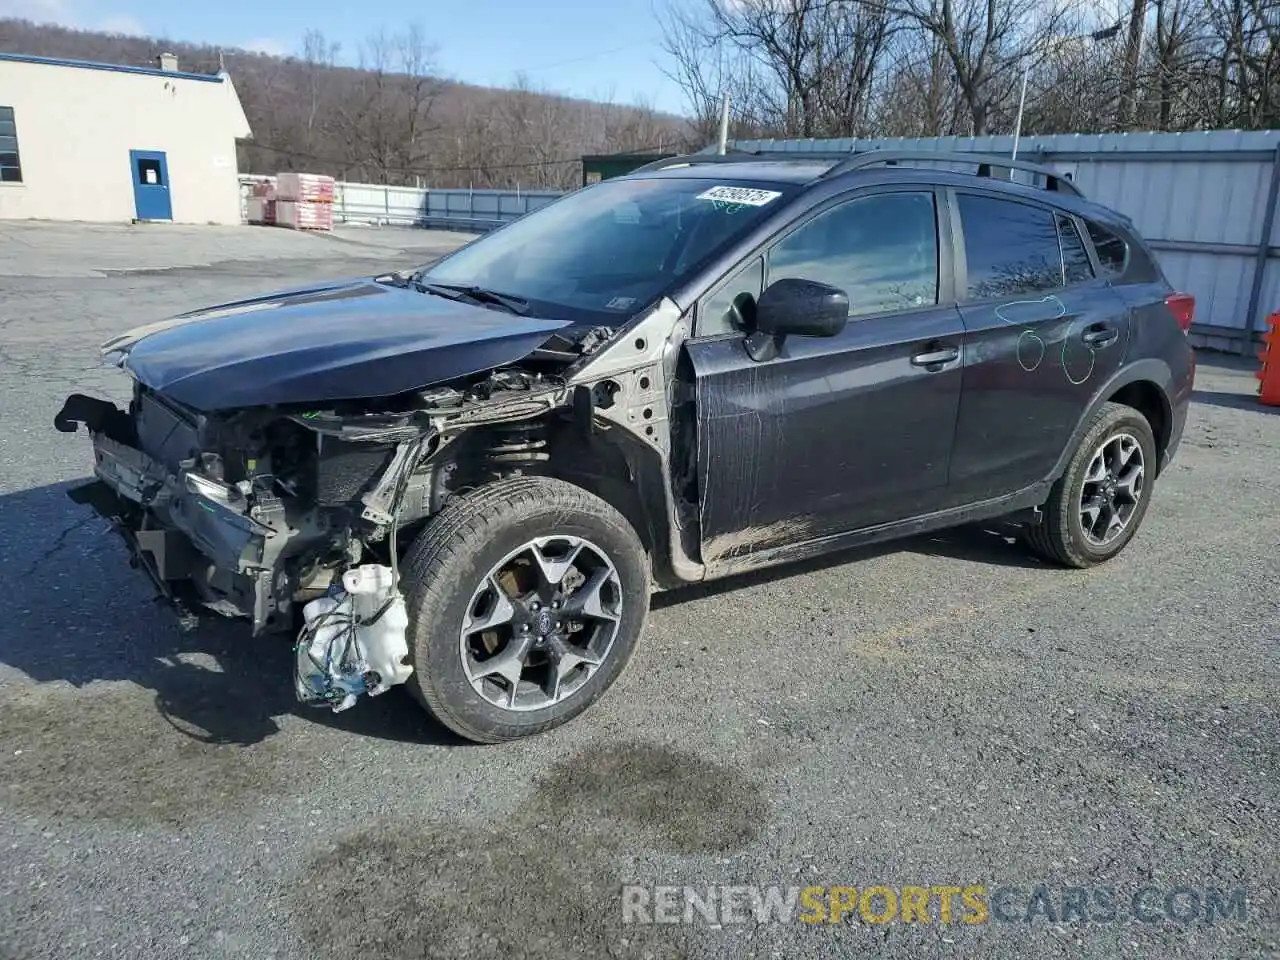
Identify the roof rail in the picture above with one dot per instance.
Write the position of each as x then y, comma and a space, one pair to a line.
740, 156
1054, 181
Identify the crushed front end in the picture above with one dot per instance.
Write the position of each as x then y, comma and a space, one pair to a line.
250, 512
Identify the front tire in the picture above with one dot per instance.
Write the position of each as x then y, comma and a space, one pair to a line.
526, 598
1098, 503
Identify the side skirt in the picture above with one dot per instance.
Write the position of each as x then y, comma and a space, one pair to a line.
1022, 500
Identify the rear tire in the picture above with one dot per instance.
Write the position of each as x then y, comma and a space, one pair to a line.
495, 666
1098, 503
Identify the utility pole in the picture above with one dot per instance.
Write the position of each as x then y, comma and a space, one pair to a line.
724, 127
1022, 102
1132, 61
1097, 35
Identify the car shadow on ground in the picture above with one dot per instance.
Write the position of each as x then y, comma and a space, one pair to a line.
76, 612
1236, 401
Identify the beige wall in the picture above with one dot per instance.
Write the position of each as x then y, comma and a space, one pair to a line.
76, 127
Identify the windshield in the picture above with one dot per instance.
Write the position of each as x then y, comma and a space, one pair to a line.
609, 250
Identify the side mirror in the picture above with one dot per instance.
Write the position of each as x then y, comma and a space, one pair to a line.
805, 308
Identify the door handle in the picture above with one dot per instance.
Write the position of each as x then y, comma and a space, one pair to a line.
936, 357
1100, 335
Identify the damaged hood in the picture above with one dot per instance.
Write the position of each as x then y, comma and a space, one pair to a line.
348, 341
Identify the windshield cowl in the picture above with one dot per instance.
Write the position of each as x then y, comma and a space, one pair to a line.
473, 293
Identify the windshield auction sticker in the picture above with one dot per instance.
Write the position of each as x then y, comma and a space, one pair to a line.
748, 196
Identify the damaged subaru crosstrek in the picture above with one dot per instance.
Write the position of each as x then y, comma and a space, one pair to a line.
468, 479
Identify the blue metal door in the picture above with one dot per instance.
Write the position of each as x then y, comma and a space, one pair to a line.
151, 199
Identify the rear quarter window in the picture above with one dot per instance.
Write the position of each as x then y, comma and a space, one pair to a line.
1076, 267
1113, 252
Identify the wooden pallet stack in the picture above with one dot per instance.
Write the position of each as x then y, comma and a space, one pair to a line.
304, 201
260, 207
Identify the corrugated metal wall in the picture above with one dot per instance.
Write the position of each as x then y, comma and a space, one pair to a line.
1202, 200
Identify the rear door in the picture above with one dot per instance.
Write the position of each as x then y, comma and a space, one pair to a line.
1042, 333
840, 433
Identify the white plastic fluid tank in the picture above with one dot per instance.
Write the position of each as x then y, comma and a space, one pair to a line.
383, 643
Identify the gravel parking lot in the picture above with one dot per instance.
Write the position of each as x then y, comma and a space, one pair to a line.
943, 712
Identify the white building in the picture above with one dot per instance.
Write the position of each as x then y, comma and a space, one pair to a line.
100, 142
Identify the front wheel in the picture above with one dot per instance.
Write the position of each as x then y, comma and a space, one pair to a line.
526, 598
1096, 506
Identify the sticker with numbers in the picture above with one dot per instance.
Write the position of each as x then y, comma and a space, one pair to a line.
748, 196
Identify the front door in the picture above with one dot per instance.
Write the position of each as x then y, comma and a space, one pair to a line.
834, 434
151, 200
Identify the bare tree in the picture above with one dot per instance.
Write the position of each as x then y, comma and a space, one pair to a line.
419, 86
319, 55
707, 70
917, 96
985, 42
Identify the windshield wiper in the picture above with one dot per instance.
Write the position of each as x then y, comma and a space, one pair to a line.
462, 291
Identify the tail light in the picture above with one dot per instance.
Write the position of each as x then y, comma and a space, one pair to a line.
1183, 308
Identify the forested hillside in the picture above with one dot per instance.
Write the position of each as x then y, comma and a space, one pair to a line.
393, 119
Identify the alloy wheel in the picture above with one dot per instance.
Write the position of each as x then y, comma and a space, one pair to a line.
1112, 488
541, 622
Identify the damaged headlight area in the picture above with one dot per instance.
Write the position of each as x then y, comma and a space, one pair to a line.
256, 513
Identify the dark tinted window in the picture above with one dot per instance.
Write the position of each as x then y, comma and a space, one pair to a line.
1011, 248
1075, 259
1112, 251
10, 168
882, 251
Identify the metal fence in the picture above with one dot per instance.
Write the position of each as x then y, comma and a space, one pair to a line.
383, 205
473, 210
1206, 202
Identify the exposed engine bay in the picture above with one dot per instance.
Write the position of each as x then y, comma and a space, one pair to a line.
274, 505
264, 511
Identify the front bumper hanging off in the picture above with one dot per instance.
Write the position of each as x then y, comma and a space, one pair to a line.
192, 534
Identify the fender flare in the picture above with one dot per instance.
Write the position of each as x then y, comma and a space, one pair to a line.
1149, 370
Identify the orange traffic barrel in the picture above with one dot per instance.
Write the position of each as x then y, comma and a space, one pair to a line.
1269, 389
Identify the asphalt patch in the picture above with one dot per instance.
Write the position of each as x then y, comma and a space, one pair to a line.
120, 754
545, 882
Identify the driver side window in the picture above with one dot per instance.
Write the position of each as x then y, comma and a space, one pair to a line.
881, 250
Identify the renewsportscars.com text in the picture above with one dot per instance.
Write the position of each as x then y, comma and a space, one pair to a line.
943, 903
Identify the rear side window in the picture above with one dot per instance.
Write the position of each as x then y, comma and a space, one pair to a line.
1011, 248
1075, 259
1112, 251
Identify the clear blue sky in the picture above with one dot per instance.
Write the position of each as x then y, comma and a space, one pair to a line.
588, 48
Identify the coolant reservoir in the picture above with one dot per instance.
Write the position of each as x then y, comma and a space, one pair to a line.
343, 651
384, 645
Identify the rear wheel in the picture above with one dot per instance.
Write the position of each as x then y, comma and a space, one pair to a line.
1096, 506
526, 599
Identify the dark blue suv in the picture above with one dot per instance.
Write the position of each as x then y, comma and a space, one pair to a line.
715, 364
